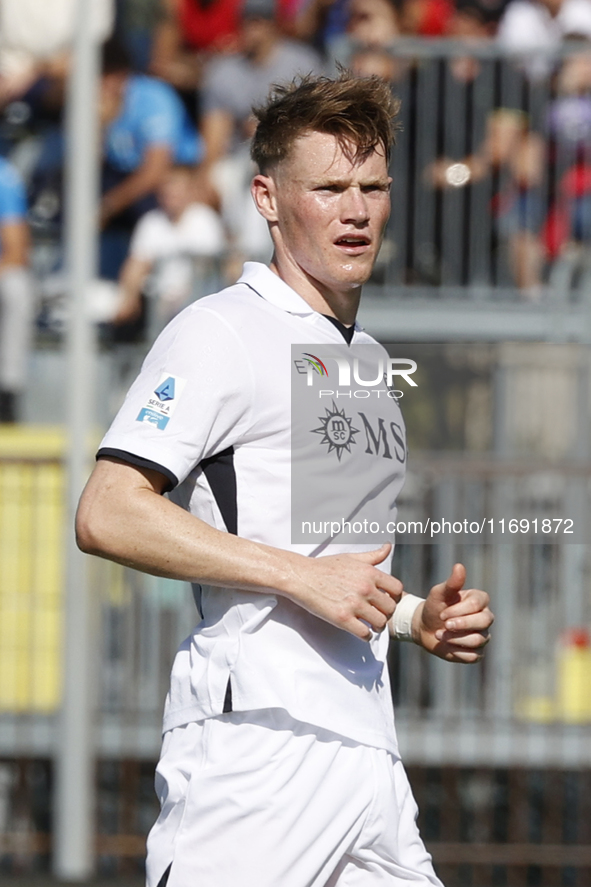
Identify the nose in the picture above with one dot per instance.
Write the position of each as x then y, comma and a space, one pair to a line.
354, 207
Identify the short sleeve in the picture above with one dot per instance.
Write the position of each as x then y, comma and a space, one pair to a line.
13, 203
161, 122
192, 399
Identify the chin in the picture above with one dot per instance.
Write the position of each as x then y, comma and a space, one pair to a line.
355, 277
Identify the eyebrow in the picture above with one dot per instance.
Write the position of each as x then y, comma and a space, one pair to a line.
378, 181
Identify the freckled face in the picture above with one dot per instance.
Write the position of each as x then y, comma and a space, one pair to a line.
330, 215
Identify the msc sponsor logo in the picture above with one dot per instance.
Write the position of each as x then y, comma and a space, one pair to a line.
382, 437
337, 431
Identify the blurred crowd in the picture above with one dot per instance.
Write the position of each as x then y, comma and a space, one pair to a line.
178, 81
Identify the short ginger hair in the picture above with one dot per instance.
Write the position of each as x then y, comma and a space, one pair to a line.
360, 111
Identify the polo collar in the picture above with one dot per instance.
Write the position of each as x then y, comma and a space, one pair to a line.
273, 289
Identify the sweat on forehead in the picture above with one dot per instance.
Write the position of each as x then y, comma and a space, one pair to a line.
359, 111
306, 144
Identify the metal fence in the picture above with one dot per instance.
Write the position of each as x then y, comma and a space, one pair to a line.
529, 703
490, 191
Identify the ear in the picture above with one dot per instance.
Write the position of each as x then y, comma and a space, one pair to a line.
264, 194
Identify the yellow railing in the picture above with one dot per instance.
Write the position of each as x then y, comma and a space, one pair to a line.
32, 511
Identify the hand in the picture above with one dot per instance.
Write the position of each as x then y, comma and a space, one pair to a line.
453, 622
347, 590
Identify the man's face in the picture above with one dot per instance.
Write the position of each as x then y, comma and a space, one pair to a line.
330, 213
257, 34
175, 193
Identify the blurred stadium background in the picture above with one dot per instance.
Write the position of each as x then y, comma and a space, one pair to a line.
486, 261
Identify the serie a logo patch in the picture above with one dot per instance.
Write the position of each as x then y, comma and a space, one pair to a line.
162, 403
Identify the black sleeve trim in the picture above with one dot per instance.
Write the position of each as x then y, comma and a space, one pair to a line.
105, 452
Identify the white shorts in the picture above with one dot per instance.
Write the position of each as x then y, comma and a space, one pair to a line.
256, 799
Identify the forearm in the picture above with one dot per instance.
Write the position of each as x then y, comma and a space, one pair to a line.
14, 242
132, 280
152, 534
138, 184
123, 518
134, 187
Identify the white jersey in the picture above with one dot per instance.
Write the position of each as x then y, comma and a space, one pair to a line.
211, 411
198, 232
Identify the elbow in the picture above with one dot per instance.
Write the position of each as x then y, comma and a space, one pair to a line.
90, 537
85, 538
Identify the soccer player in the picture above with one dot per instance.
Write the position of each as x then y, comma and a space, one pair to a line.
280, 766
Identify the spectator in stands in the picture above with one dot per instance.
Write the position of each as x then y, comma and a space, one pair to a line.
513, 154
235, 83
232, 85
474, 23
16, 293
193, 30
165, 243
137, 22
320, 21
146, 130
528, 25
372, 24
475, 18
568, 226
425, 18
189, 33
35, 37
377, 61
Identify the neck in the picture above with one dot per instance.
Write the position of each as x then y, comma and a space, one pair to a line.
341, 304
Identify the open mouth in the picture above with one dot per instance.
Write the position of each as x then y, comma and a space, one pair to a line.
351, 241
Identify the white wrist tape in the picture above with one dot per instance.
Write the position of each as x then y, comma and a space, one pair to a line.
401, 621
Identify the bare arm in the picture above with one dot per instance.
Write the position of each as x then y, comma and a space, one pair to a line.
14, 237
123, 517
132, 279
138, 184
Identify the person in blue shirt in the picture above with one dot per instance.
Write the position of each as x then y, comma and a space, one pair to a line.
16, 291
146, 129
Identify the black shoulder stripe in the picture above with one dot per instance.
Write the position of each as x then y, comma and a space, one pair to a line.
164, 879
221, 477
219, 471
